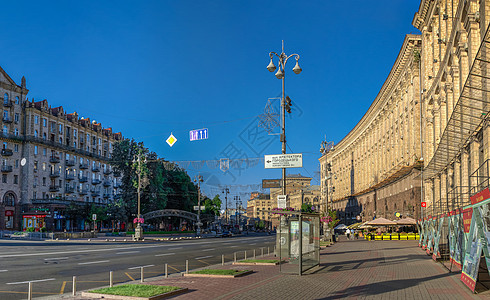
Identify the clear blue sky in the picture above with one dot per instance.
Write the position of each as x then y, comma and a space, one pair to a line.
149, 68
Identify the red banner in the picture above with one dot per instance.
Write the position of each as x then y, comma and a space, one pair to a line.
468, 281
9, 213
467, 214
480, 196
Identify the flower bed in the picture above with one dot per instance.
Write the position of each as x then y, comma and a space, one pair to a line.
135, 291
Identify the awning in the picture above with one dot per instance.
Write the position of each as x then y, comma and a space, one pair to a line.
406, 221
381, 222
469, 112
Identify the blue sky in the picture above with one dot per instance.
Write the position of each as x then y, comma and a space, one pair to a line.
151, 68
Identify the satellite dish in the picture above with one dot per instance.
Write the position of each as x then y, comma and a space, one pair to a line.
23, 162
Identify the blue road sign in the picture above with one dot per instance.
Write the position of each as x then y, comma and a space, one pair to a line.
198, 134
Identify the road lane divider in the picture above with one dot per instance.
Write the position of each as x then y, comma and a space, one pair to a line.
164, 254
93, 262
207, 250
127, 252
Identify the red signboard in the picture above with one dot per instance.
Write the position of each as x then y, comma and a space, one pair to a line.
423, 204
480, 196
9, 213
468, 281
34, 216
467, 214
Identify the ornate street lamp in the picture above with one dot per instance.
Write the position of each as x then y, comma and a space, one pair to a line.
280, 74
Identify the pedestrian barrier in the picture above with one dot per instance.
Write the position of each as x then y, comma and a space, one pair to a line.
392, 237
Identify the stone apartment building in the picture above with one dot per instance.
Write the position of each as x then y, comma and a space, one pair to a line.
426, 134
50, 159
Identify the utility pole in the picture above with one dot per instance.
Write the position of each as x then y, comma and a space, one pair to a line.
138, 232
226, 191
198, 179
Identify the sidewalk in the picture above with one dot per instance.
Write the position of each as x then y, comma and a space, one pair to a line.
356, 269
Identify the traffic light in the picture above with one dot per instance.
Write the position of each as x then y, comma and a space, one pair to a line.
288, 104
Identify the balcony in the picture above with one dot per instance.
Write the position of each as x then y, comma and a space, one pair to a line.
54, 159
7, 119
69, 176
107, 183
83, 192
6, 169
8, 103
54, 188
95, 193
7, 152
96, 181
107, 171
95, 169
69, 190
82, 178
54, 174
83, 166
70, 162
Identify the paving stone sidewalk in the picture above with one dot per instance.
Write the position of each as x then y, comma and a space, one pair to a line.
356, 269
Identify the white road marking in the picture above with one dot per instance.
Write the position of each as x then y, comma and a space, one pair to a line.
56, 258
39, 280
128, 252
233, 246
207, 250
95, 250
253, 244
93, 262
3, 270
204, 257
164, 254
139, 267
175, 248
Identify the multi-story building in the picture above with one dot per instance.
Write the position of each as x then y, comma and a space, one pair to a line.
432, 111
258, 207
50, 159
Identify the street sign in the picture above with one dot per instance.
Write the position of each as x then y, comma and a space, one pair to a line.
358, 218
271, 183
171, 140
198, 134
196, 207
279, 161
94, 217
424, 204
282, 201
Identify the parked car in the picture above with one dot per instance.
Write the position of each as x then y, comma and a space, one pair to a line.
226, 234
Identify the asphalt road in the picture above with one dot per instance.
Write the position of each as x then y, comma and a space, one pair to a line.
51, 265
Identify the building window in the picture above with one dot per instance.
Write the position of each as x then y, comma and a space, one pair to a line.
74, 133
61, 140
61, 128
5, 130
16, 99
35, 166
34, 195
16, 148
16, 117
4, 178
44, 181
74, 144
6, 97
36, 119
44, 136
35, 150
45, 122
44, 151
16, 131
44, 166
16, 179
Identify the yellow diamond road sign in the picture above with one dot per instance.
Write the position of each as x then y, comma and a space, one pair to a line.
171, 140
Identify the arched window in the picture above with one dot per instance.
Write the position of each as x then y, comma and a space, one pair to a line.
9, 199
16, 131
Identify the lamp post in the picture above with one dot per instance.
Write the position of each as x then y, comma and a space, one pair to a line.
138, 231
226, 191
198, 180
324, 149
280, 74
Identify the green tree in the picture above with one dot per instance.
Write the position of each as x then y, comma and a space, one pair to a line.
213, 206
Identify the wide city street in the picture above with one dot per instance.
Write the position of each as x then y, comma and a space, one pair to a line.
51, 265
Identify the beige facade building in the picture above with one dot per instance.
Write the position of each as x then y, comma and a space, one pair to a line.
50, 159
258, 207
432, 111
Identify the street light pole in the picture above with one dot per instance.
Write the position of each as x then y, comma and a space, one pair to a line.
198, 179
280, 74
226, 191
138, 232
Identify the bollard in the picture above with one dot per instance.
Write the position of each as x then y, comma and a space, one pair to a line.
222, 259
245, 254
111, 282
186, 266
254, 254
262, 251
234, 256
142, 275
29, 293
268, 251
275, 251
74, 288
166, 271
